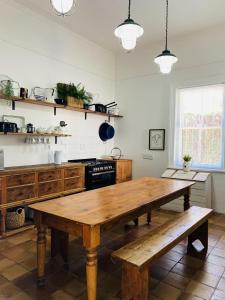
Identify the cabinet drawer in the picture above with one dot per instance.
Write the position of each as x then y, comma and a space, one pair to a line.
73, 183
20, 193
49, 175
48, 188
20, 179
72, 172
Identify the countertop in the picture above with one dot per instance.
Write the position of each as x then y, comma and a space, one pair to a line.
19, 169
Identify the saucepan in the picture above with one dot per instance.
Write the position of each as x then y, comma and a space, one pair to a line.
103, 108
106, 131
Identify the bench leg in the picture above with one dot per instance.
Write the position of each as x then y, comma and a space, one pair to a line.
201, 233
136, 222
135, 283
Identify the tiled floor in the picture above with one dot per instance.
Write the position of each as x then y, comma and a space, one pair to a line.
175, 276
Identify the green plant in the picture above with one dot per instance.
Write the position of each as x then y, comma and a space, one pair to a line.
72, 90
8, 89
187, 158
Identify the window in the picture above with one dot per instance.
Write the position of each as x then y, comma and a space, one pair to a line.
199, 126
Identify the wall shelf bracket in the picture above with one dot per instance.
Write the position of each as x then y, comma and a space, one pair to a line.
85, 115
54, 111
56, 140
13, 105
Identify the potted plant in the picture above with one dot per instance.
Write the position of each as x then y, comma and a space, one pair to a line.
186, 162
73, 95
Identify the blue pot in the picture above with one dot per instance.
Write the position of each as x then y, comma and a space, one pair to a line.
106, 132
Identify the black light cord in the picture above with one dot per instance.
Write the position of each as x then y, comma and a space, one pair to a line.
167, 13
129, 5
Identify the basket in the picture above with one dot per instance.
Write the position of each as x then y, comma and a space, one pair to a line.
73, 102
15, 219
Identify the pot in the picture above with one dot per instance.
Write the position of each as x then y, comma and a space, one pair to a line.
106, 132
103, 108
8, 127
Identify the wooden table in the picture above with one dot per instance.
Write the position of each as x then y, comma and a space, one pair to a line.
89, 213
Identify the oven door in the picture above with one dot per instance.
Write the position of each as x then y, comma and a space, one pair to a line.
98, 180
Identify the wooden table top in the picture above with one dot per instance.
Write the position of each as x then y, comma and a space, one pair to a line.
102, 205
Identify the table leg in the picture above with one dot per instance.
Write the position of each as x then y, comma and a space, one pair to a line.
2, 221
136, 221
91, 269
149, 217
91, 241
187, 200
41, 253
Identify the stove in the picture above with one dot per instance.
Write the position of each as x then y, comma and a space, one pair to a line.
98, 173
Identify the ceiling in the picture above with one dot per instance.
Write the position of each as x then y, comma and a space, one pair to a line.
96, 19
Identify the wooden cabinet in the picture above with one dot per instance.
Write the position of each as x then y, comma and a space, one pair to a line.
25, 185
123, 170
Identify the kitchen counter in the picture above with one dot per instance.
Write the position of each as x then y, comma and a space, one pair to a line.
41, 167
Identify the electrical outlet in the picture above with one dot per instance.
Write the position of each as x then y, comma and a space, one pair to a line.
147, 156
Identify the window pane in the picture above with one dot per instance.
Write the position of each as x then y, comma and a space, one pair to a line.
199, 126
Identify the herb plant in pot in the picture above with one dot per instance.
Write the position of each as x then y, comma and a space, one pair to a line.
73, 95
187, 162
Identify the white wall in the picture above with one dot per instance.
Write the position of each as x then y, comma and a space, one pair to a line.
146, 96
37, 52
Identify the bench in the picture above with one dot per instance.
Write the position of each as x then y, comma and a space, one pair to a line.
138, 255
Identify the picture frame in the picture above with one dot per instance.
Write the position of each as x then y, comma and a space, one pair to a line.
157, 139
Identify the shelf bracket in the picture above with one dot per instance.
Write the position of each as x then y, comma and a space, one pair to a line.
13, 105
54, 111
56, 139
85, 115
109, 119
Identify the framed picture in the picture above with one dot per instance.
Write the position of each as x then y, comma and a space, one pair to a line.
157, 139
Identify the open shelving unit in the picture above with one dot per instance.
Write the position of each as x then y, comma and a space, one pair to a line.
56, 106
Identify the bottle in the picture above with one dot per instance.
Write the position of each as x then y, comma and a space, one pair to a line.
1, 159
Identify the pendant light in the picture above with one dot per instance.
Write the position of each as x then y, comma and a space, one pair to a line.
129, 32
62, 7
166, 59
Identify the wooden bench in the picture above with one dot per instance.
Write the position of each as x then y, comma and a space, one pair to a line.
137, 256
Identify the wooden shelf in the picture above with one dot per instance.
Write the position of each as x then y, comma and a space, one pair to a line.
9, 232
56, 106
34, 134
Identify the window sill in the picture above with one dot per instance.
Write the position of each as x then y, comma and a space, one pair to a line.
222, 171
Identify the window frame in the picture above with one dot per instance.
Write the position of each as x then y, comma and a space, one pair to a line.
172, 128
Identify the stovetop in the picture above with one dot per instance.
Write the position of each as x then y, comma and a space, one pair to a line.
96, 164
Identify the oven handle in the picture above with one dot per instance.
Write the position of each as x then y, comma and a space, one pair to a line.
101, 173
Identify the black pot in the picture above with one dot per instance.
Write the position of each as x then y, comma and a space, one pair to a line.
8, 127
103, 108
60, 101
106, 132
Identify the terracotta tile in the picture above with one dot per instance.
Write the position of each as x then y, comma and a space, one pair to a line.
173, 255
9, 290
217, 260
21, 296
5, 245
166, 264
186, 296
30, 263
184, 270
218, 252
13, 272
166, 292
218, 295
5, 262
221, 285
180, 249
158, 273
15, 253
75, 287
3, 280
192, 262
199, 290
207, 278
59, 295
213, 269
176, 280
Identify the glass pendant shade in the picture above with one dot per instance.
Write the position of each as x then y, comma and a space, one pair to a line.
166, 61
129, 32
62, 7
